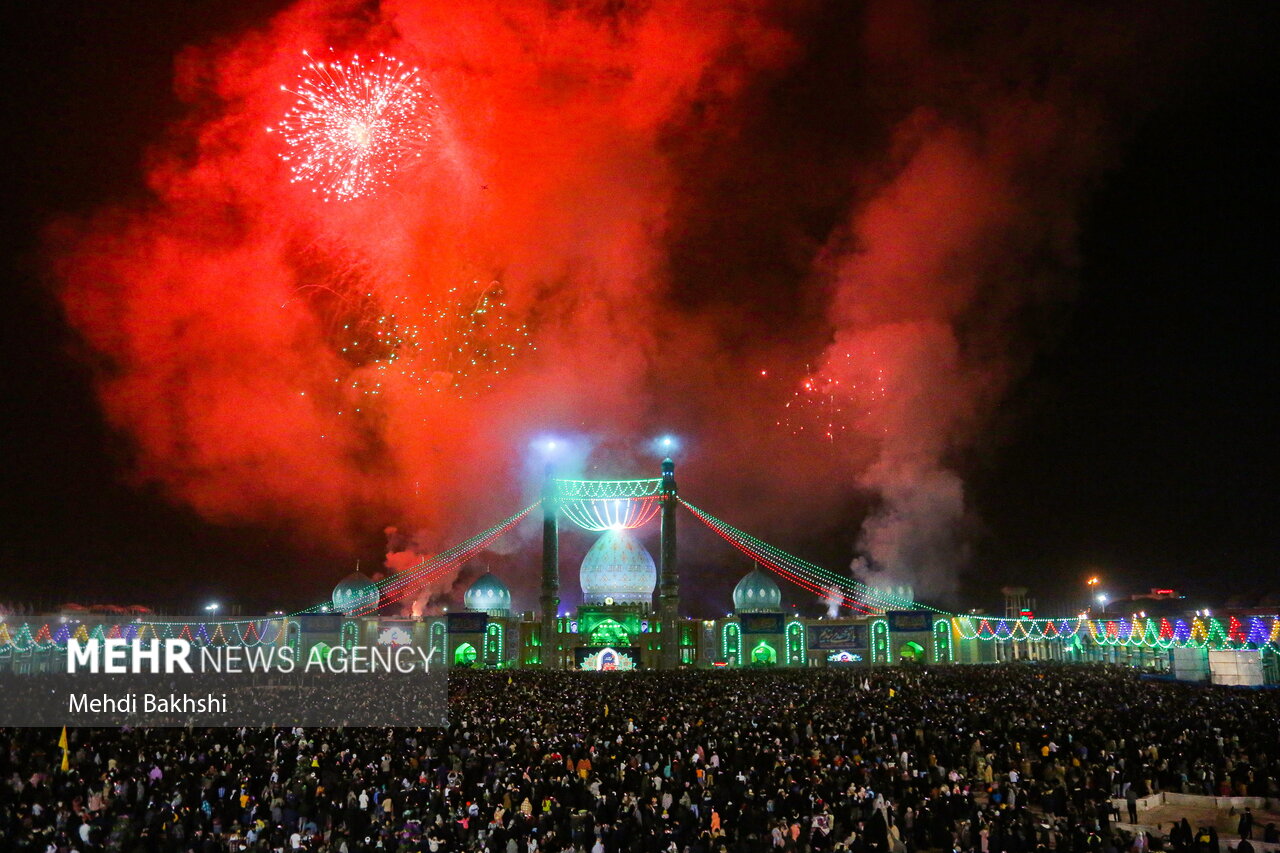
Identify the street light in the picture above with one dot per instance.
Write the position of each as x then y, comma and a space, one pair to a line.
212, 607
1092, 583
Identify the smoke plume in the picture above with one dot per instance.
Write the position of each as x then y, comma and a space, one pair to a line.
961, 250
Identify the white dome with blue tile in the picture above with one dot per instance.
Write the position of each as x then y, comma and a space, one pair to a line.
488, 594
757, 593
355, 595
618, 570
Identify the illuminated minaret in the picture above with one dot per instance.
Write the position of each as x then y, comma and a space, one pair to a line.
550, 599
668, 571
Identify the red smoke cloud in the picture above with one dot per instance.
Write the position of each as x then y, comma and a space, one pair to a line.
221, 362
215, 310
963, 245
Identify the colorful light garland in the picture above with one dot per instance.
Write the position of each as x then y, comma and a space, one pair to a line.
820, 581
410, 580
1200, 632
642, 500
250, 632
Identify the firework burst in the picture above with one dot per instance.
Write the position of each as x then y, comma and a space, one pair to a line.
354, 125
825, 406
459, 343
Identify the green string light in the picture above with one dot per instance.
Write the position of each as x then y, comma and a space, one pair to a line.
607, 488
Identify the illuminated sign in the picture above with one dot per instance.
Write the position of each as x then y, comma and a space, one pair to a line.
468, 622
844, 656
606, 658
320, 623
837, 636
910, 620
761, 623
394, 636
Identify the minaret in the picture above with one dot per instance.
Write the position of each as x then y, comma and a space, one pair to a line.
550, 599
668, 571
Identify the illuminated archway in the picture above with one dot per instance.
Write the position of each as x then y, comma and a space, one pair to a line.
610, 632
942, 641
764, 654
880, 641
731, 645
911, 651
464, 655
437, 638
493, 644
795, 644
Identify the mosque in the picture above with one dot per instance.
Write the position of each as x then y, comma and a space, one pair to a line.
617, 627
629, 616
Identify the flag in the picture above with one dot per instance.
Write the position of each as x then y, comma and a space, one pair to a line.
66, 752
606, 710
508, 679
891, 693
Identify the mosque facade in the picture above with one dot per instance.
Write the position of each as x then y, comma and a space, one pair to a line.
617, 626
630, 615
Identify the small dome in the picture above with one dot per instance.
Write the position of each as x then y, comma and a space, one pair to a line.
618, 570
355, 595
757, 593
488, 594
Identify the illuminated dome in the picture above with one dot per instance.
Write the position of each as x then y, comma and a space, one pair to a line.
355, 594
488, 594
757, 593
618, 570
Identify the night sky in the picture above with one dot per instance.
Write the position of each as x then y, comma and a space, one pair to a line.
1130, 432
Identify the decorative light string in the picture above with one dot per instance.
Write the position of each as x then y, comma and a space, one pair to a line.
634, 502
608, 488
751, 548
1146, 632
401, 584
598, 514
851, 593
248, 632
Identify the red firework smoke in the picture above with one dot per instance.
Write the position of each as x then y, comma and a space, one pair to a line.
566, 143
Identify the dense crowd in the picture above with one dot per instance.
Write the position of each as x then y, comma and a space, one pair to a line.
1007, 759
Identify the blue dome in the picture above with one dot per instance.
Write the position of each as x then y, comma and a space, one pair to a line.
618, 570
488, 594
757, 593
355, 594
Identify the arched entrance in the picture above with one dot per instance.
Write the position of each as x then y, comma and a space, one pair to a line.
464, 655
319, 653
764, 654
911, 651
610, 632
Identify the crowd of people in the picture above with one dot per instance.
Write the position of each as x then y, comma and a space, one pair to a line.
998, 759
